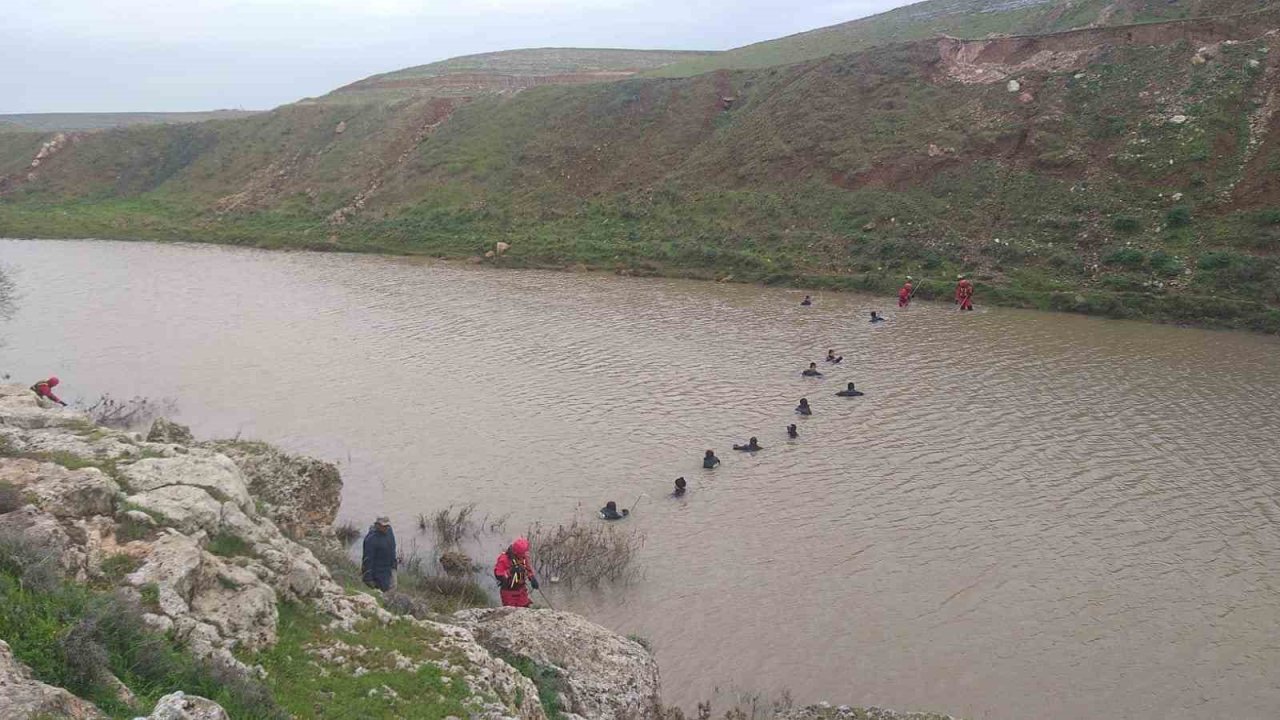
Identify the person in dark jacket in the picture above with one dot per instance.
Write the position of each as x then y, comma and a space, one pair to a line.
679, 491
752, 445
514, 573
876, 317
812, 371
792, 432
833, 359
850, 392
803, 408
610, 511
378, 562
807, 301
710, 460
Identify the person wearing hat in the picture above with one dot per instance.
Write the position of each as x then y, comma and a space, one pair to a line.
904, 295
378, 562
514, 573
44, 390
964, 293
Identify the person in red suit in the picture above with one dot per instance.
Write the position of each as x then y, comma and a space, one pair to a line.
964, 293
514, 574
904, 295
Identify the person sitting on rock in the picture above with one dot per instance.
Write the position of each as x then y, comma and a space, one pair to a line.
831, 357
514, 574
378, 561
812, 371
792, 432
710, 460
849, 392
752, 445
44, 390
680, 488
803, 408
610, 511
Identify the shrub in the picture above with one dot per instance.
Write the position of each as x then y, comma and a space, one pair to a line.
227, 545
119, 565
1178, 216
590, 553
10, 498
129, 414
1125, 223
1126, 257
347, 533
1270, 216
1215, 260
1165, 264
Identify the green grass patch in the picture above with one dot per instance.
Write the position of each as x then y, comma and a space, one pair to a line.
227, 545
77, 638
548, 680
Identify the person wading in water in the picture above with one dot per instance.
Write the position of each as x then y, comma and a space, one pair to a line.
514, 574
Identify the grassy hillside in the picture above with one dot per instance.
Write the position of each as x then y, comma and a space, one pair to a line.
968, 19
506, 71
54, 122
1132, 172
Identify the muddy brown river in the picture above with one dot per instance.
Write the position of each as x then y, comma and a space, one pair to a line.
1027, 515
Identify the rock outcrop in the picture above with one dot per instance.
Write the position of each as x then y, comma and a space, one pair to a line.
22, 696
604, 674
211, 567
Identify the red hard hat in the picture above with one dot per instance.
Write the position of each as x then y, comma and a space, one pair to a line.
520, 547
53, 381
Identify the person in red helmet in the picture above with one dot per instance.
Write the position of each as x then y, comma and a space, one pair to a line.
964, 293
904, 295
44, 389
514, 574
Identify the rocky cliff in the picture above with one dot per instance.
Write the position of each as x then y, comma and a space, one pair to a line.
190, 534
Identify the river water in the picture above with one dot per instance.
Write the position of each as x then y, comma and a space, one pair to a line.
1027, 515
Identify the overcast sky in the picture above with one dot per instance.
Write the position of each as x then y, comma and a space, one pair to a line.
123, 55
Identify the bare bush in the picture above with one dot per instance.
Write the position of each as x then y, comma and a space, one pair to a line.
451, 525
35, 565
347, 533
588, 553
129, 414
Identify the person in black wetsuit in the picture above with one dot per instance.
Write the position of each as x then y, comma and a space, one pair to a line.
803, 408
710, 460
850, 392
812, 371
876, 317
679, 491
752, 445
792, 432
831, 357
610, 511
807, 301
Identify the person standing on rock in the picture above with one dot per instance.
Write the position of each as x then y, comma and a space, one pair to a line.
514, 574
378, 563
44, 390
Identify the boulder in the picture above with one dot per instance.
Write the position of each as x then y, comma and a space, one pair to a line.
236, 602
186, 508
173, 567
23, 697
181, 706
604, 674
63, 492
164, 430
1013, 86
300, 494
212, 472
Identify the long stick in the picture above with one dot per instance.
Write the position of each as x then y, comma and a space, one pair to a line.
545, 599
637, 502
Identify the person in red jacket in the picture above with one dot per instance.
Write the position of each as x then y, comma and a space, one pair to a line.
44, 389
964, 293
904, 295
514, 574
